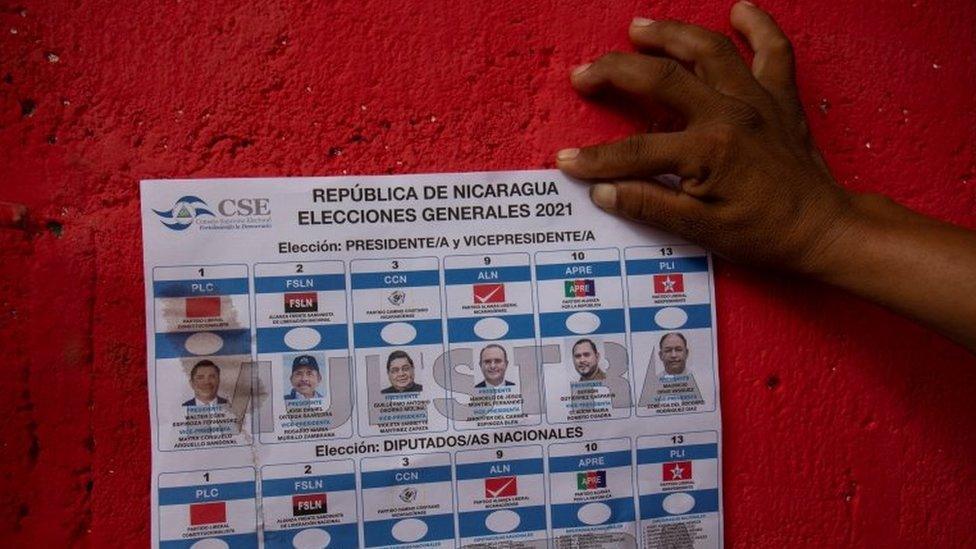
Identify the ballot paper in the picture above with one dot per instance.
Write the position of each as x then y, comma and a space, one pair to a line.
436, 360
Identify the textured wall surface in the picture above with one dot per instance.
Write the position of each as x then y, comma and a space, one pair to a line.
844, 424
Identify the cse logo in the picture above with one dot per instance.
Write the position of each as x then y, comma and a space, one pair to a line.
187, 209
244, 206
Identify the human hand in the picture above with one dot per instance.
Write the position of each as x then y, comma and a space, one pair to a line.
753, 186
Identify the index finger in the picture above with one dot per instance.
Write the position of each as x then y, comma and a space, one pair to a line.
649, 79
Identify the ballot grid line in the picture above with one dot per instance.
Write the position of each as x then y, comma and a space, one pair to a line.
270, 287
253, 341
699, 263
603, 269
349, 322
522, 325
628, 513
205, 299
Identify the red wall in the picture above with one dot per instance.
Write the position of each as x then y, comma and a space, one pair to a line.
844, 425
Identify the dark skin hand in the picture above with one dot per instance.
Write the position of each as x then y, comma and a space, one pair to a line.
754, 188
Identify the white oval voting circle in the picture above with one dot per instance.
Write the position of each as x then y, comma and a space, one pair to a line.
582, 323
594, 513
312, 538
210, 543
503, 521
398, 333
679, 503
671, 317
204, 343
409, 530
490, 328
302, 338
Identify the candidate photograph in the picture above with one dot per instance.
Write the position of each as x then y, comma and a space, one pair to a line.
493, 361
205, 382
586, 360
674, 354
305, 378
677, 379
401, 373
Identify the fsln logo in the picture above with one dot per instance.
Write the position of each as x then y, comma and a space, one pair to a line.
184, 211
301, 302
309, 504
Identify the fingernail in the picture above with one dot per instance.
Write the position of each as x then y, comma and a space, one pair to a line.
604, 195
566, 155
641, 22
581, 69
747, 2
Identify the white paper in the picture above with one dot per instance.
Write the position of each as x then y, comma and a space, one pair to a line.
438, 360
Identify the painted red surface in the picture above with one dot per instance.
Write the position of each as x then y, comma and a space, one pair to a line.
844, 425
